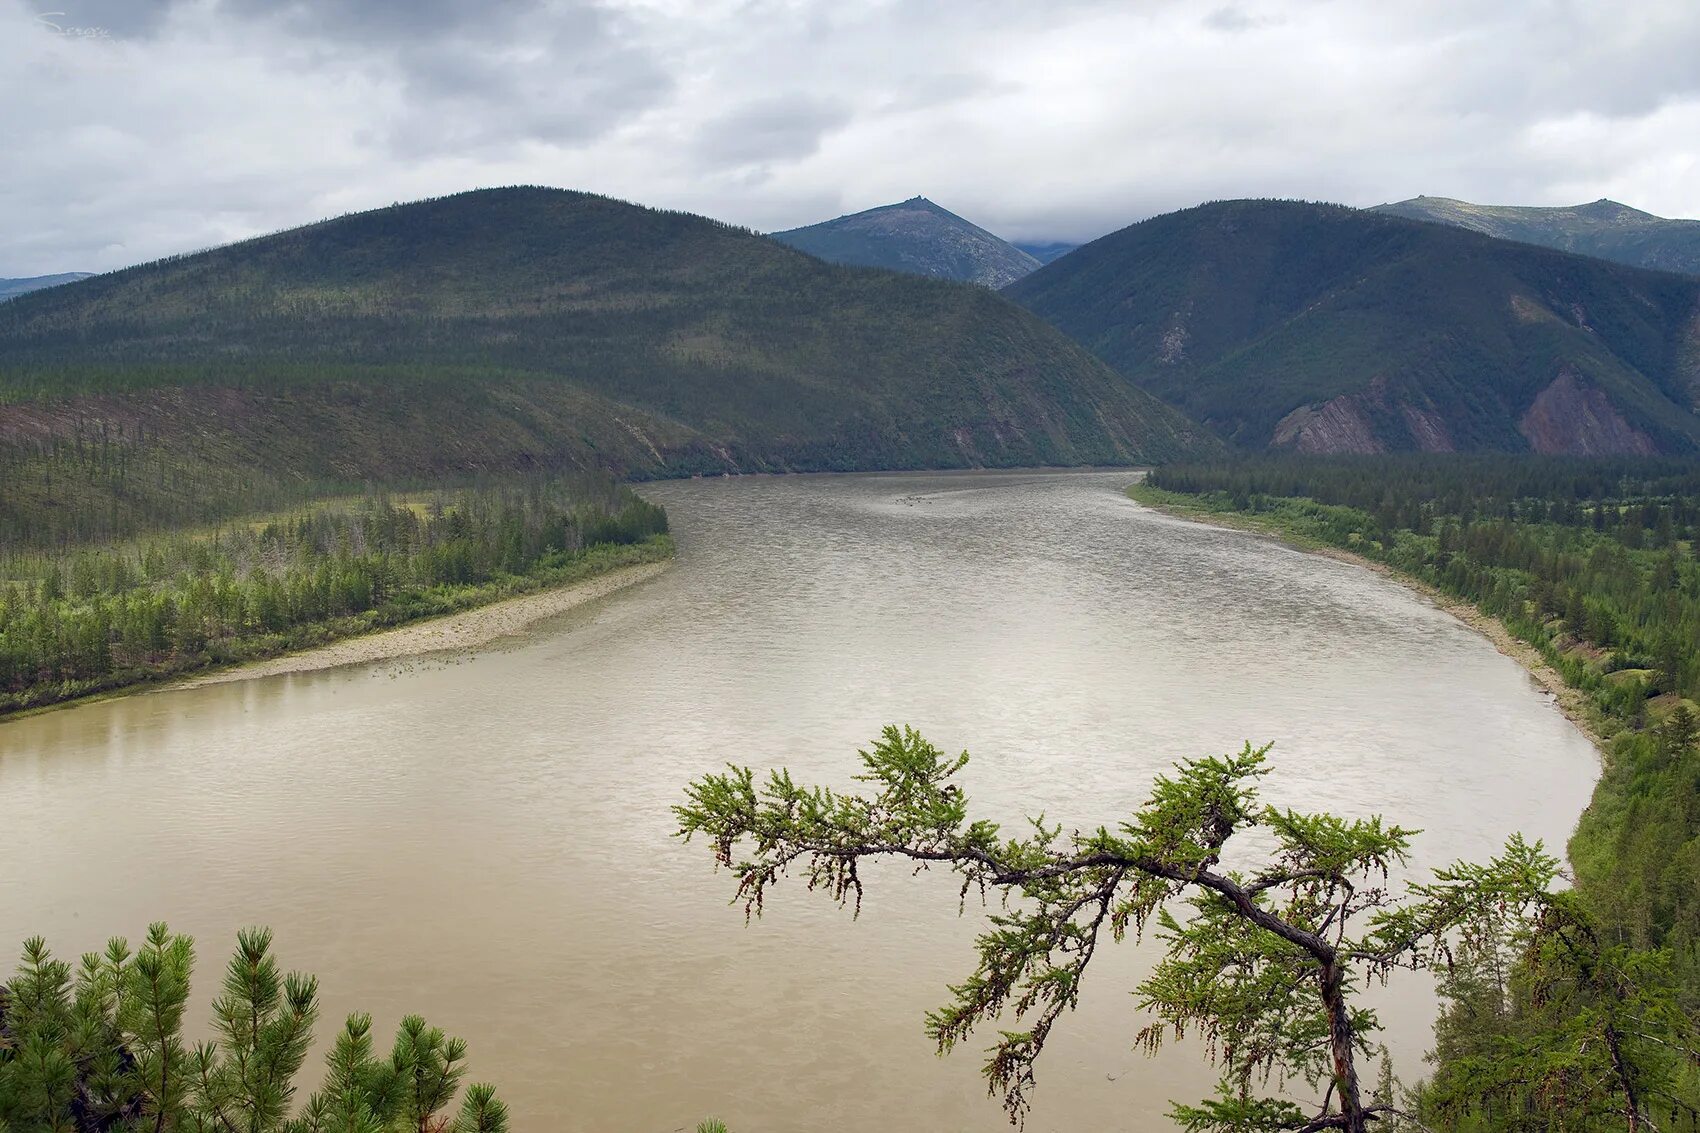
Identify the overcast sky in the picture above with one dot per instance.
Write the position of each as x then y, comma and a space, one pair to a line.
130, 129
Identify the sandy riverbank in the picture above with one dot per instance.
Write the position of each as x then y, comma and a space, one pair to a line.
465, 630
1571, 701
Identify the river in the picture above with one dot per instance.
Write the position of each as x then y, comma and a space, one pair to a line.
487, 839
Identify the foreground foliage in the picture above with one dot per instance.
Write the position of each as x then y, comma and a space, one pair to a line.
1266, 964
1594, 563
1597, 565
1551, 1027
102, 1048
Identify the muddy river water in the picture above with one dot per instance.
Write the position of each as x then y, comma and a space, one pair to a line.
487, 840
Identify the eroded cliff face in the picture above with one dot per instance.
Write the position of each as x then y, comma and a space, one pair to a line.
1571, 418
1568, 418
1337, 426
1428, 429
1346, 425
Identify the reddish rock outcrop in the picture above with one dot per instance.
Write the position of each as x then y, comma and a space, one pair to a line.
1428, 429
1337, 426
1572, 418
1344, 424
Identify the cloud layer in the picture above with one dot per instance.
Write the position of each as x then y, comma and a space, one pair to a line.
131, 129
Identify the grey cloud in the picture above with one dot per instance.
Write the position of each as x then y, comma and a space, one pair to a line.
388, 21
1230, 19
206, 120
925, 92
479, 79
574, 87
577, 43
1532, 59
780, 128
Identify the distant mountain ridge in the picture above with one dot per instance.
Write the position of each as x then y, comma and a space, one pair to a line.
1049, 252
511, 329
1327, 329
918, 237
1605, 228
12, 288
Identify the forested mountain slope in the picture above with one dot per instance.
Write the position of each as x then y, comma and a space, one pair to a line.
1328, 329
915, 236
523, 327
1604, 228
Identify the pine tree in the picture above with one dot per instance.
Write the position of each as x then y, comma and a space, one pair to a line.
106, 1051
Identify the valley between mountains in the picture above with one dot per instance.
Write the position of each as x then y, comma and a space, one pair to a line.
504, 330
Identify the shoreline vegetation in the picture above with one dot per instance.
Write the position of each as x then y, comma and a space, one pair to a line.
471, 627
194, 605
1590, 570
1585, 572
1569, 699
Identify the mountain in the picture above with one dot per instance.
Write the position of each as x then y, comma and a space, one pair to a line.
918, 237
1046, 253
12, 288
1328, 329
515, 328
1605, 229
